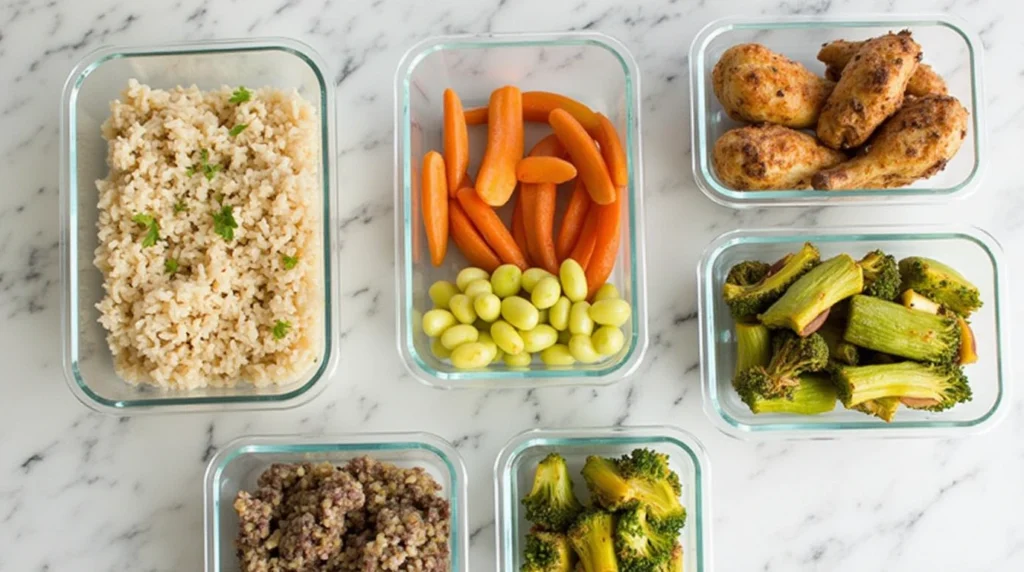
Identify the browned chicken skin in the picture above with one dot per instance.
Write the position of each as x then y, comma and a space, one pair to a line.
870, 90
758, 85
915, 144
765, 157
837, 54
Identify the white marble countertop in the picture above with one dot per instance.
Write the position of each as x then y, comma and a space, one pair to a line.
83, 491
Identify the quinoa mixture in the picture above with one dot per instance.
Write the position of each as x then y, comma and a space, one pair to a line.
365, 516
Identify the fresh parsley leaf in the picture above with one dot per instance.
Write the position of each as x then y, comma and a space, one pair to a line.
281, 328
190, 171
237, 129
224, 223
152, 228
289, 261
180, 207
204, 157
240, 95
171, 265
209, 171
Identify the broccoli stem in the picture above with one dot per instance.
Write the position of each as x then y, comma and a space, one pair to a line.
753, 346
942, 386
749, 300
814, 395
893, 329
815, 292
941, 283
884, 407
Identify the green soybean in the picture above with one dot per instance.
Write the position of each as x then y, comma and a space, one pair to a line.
574, 280
477, 288
462, 307
467, 275
532, 276
607, 291
610, 312
438, 349
471, 355
539, 338
507, 338
558, 315
435, 322
485, 339
521, 359
487, 307
579, 319
455, 336
546, 292
440, 292
608, 340
507, 280
520, 313
557, 355
582, 348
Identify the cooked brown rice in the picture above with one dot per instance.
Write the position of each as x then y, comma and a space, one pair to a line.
212, 321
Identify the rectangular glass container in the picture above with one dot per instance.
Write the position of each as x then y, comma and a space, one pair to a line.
970, 251
518, 460
239, 464
949, 46
593, 68
96, 81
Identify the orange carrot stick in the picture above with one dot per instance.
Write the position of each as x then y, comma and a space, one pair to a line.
456, 141
491, 228
573, 220
435, 206
611, 149
538, 105
476, 116
584, 248
539, 211
606, 247
519, 228
585, 156
545, 170
468, 239
497, 176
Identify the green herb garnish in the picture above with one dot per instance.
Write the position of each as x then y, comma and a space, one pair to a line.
281, 328
190, 171
204, 163
152, 228
224, 223
237, 129
180, 207
289, 261
240, 95
171, 265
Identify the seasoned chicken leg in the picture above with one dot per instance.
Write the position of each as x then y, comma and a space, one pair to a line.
915, 144
758, 85
837, 54
763, 157
870, 90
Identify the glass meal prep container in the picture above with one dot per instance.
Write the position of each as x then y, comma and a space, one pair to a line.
949, 46
239, 464
96, 81
593, 68
972, 252
517, 462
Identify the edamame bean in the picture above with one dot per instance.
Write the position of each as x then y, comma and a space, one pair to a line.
539, 338
608, 340
461, 307
435, 322
579, 319
558, 315
506, 280
507, 338
485, 339
477, 288
520, 313
610, 312
574, 280
438, 349
521, 359
467, 275
532, 276
557, 355
546, 292
607, 291
487, 307
455, 336
471, 355
582, 348
440, 292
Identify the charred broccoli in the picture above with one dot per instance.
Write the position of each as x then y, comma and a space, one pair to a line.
893, 329
934, 387
940, 283
791, 357
642, 476
813, 394
547, 552
813, 294
675, 561
753, 346
591, 537
746, 300
639, 545
881, 275
747, 273
552, 504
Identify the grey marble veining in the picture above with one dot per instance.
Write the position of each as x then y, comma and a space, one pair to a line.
81, 491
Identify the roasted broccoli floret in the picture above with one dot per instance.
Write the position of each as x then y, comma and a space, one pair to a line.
592, 537
940, 283
547, 552
675, 560
639, 545
753, 346
881, 275
893, 329
813, 394
813, 294
749, 300
642, 476
552, 504
934, 387
792, 356
884, 407
839, 350
747, 273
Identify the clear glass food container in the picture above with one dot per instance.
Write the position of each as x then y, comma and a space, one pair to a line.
969, 250
517, 462
239, 464
949, 46
593, 68
96, 81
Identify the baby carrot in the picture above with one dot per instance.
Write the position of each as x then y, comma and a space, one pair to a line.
606, 246
585, 156
519, 228
469, 241
491, 228
537, 106
435, 206
611, 149
496, 178
573, 220
584, 247
539, 210
545, 170
476, 116
456, 141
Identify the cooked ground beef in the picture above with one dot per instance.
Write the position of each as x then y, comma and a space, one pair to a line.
365, 516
